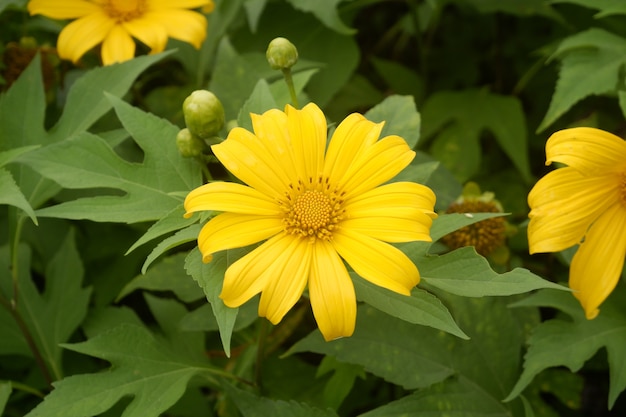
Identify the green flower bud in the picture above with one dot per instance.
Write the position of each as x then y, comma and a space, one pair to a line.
189, 145
204, 114
281, 54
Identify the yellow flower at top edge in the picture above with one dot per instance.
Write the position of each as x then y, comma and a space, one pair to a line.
583, 203
114, 22
313, 204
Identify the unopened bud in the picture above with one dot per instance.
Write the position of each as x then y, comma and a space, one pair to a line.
189, 145
204, 114
281, 54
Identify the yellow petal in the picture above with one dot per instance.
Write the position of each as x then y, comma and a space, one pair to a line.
378, 164
288, 276
307, 131
598, 263
233, 197
392, 229
376, 261
563, 205
184, 25
117, 46
353, 135
271, 131
398, 199
147, 31
247, 276
246, 158
332, 293
233, 230
83, 34
63, 9
180, 4
591, 151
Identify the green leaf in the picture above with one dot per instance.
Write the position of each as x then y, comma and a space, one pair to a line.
454, 397
167, 275
416, 357
53, 315
594, 51
251, 405
605, 7
233, 79
400, 116
280, 91
570, 343
341, 381
401, 79
468, 113
143, 367
185, 235
87, 101
259, 101
448, 223
464, 272
11, 194
515, 7
326, 12
420, 308
210, 278
5, 392
171, 222
87, 161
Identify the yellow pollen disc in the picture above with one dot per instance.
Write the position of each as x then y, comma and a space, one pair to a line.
313, 212
125, 10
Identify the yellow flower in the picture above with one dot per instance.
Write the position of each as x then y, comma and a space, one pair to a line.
113, 22
313, 204
585, 204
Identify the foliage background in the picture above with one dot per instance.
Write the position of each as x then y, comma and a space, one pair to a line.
111, 299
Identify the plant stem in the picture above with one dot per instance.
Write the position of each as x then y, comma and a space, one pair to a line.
290, 86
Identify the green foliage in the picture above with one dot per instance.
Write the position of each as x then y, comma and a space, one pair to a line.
594, 51
144, 366
576, 339
106, 307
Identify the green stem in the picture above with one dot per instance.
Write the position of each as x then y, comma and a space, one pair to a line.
11, 305
290, 86
26, 388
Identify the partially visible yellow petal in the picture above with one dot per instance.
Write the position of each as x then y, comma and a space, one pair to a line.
63, 9
83, 34
246, 158
307, 131
270, 129
179, 4
376, 261
289, 275
184, 25
228, 196
332, 293
591, 151
598, 263
392, 229
378, 164
233, 230
117, 46
149, 32
563, 205
247, 276
350, 140
398, 199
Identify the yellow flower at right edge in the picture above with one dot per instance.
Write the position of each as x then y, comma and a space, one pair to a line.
583, 203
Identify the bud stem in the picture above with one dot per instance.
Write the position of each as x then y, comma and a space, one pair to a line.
290, 86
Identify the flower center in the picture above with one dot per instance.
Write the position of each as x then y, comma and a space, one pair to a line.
124, 10
312, 210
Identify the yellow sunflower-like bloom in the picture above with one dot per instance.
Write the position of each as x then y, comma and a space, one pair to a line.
585, 204
114, 22
313, 205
